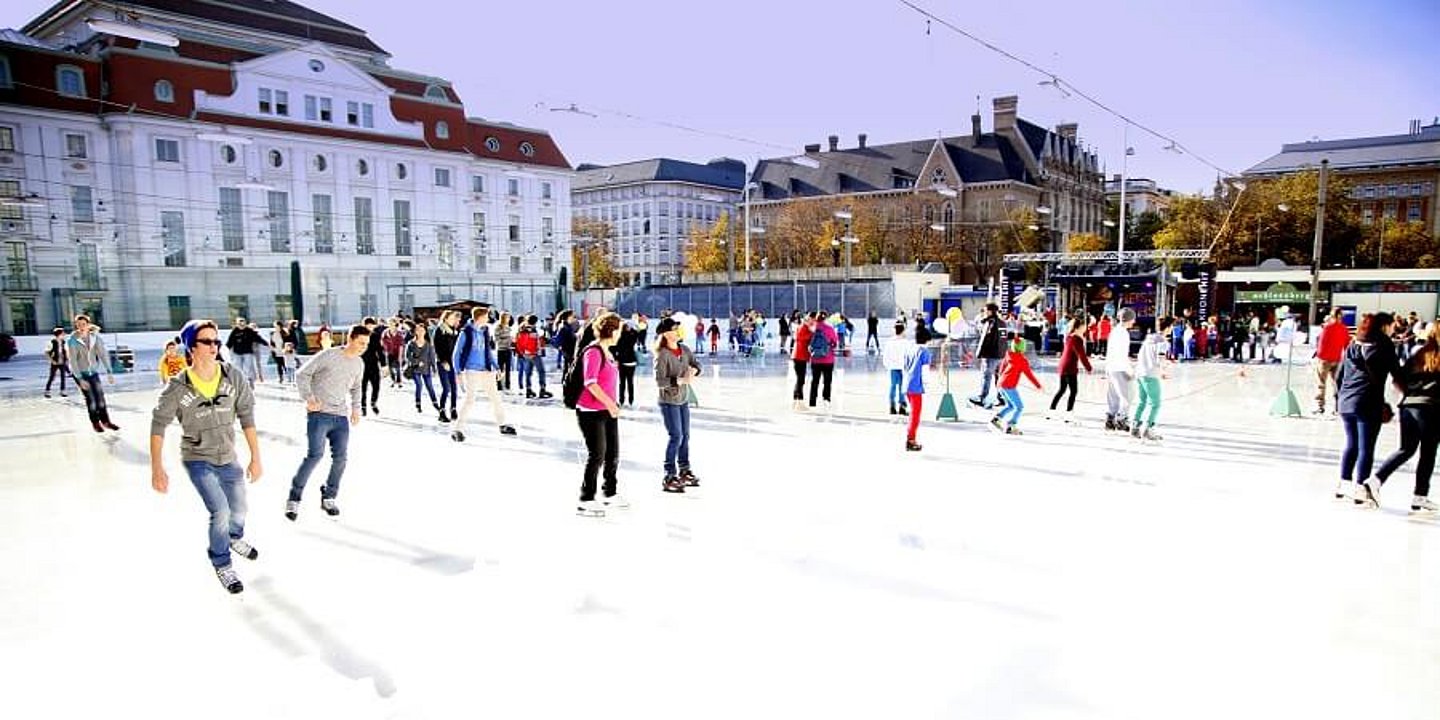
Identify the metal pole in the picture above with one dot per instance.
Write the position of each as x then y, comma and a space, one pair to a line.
1319, 245
1380, 262
747, 228
1124, 163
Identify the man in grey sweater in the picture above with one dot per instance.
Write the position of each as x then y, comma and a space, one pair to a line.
88, 358
330, 386
208, 399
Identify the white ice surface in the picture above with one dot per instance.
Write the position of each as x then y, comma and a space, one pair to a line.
820, 572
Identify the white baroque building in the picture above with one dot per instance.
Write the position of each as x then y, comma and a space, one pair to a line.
269, 162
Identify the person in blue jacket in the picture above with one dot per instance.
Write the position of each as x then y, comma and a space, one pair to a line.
474, 360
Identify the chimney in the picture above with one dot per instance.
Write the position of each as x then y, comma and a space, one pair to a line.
975, 130
812, 148
1005, 108
834, 143
1067, 130
1415, 127
861, 139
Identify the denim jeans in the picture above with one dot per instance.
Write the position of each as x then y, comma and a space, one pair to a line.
1014, 406
896, 394
418, 378
523, 366
677, 450
1360, 436
1419, 430
222, 488
320, 427
448, 390
93, 388
988, 368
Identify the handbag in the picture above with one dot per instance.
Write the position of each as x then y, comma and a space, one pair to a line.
408, 372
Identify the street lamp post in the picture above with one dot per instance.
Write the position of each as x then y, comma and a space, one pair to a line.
1319, 245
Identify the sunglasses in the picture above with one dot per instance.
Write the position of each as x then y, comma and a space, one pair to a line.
207, 341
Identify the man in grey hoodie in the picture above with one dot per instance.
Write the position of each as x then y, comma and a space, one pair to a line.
330, 386
88, 358
208, 399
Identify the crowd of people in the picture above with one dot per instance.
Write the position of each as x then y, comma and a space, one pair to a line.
207, 387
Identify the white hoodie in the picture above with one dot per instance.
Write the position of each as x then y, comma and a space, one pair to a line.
892, 355
1117, 352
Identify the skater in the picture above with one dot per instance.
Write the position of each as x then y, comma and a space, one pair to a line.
564, 337
279, 338
241, 343
504, 348
1118, 373
207, 399
1072, 356
420, 366
1363, 371
331, 386
801, 357
392, 341
1148, 375
784, 334
675, 367
372, 359
714, 333
872, 331
626, 358
914, 361
598, 416
893, 358
1419, 420
989, 350
474, 360
172, 363
59, 360
87, 357
824, 341
1015, 366
443, 341
1334, 338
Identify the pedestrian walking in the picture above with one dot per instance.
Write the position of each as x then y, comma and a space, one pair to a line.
1364, 370
331, 386
444, 342
86, 353
598, 416
208, 398
419, 357
504, 348
59, 360
372, 359
675, 368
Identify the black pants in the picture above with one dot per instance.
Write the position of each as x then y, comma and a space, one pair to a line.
627, 384
393, 363
57, 370
1419, 429
800, 379
505, 358
371, 381
820, 371
1068, 381
93, 388
602, 440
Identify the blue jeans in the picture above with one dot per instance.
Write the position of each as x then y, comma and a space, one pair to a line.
1014, 406
1360, 436
425, 378
896, 394
677, 451
222, 488
447, 387
319, 427
988, 367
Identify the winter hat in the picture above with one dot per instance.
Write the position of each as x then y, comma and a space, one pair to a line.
187, 335
666, 325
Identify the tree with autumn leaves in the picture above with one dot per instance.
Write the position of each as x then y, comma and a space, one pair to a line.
590, 254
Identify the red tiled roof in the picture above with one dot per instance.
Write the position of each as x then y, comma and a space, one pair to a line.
546, 151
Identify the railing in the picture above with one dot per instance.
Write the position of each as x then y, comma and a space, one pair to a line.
807, 274
93, 283
20, 282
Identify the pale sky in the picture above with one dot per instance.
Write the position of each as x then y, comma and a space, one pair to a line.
1231, 79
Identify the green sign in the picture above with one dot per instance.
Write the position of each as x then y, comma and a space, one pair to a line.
1277, 293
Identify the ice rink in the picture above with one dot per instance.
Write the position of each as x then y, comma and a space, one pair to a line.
819, 572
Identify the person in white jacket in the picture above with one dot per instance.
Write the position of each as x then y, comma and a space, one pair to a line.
892, 355
1149, 372
1119, 373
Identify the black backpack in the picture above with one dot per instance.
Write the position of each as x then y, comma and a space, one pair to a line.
575, 377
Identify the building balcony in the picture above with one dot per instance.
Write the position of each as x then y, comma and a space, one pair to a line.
20, 282
92, 283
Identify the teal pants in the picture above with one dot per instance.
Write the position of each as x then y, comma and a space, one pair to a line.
1149, 399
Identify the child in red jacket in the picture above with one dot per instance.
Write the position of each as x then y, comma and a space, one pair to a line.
1015, 365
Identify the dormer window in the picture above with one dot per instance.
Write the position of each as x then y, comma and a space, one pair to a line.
492, 144
435, 92
70, 81
442, 130
164, 91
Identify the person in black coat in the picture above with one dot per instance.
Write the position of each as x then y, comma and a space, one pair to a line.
1366, 365
989, 352
1419, 421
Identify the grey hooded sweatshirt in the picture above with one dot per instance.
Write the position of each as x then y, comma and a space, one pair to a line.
207, 427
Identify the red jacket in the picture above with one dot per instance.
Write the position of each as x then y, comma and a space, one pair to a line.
802, 344
1073, 355
527, 343
1016, 364
1334, 338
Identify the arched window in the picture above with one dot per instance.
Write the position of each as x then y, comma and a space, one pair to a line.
492, 144
442, 130
435, 92
164, 91
949, 220
228, 154
362, 166
401, 171
277, 159
69, 80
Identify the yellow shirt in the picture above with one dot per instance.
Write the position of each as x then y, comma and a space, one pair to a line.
204, 387
171, 366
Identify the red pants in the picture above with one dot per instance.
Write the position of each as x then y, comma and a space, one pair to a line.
915, 400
